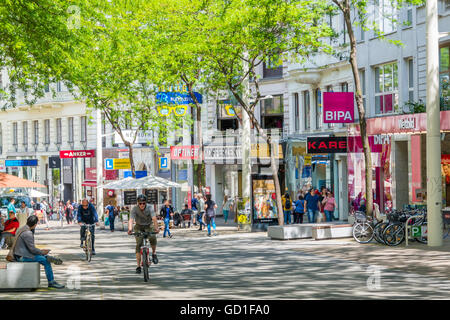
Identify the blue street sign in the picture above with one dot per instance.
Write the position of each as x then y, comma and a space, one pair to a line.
177, 98
109, 164
21, 163
163, 163
139, 174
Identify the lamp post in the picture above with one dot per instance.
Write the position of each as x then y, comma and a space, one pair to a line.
433, 158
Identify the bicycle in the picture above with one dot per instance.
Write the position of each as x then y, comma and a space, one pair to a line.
145, 252
87, 246
395, 232
362, 228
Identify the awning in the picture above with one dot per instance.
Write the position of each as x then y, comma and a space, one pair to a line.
10, 181
89, 183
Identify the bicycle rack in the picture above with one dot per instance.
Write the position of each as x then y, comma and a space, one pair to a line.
406, 226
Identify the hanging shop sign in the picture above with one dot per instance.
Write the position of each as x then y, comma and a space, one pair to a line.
338, 107
327, 145
54, 162
177, 98
184, 152
21, 163
139, 174
66, 154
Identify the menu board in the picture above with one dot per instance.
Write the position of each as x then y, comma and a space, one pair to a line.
130, 197
152, 196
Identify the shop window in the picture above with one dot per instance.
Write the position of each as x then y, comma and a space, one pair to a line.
386, 88
444, 76
307, 110
272, 68
227, 115
318, 105
272, 113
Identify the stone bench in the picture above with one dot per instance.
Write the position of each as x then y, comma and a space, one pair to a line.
19, 276
332, 231
293, 231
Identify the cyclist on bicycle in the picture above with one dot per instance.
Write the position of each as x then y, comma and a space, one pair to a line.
145, 218
88, 215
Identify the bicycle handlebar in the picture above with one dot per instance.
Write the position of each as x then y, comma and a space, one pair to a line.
143, 233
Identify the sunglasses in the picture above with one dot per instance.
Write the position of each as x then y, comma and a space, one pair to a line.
178, 110
141, 203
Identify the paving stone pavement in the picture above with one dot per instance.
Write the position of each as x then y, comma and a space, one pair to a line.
241, 266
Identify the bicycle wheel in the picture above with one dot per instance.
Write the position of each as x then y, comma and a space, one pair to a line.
145, 265
423, 239
363, 232
378, 231
394, 234
88, 247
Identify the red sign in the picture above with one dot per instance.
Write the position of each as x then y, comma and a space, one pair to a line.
184, 152
91, 174
77, 154
338, 107
327, 144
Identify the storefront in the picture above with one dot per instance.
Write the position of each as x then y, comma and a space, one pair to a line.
398, 146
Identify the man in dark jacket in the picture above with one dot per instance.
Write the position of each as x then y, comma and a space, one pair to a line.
88, 215
24, 250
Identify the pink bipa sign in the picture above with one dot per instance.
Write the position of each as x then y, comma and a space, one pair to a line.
338, 107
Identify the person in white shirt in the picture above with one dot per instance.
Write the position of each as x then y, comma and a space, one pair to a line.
23, 214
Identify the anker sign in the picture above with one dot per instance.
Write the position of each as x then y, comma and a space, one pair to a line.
327, 144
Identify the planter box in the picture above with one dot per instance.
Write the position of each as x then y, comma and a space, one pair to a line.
20, 275
292, 231
332, 232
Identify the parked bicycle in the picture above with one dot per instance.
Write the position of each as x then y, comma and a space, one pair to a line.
145, 252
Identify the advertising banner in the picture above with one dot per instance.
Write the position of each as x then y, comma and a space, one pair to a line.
184, 152
338, 107
67, 154
177, 98
445, 161
326, 145
264, 202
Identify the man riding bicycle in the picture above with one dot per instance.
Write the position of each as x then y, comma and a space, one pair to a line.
88, 215
145, 218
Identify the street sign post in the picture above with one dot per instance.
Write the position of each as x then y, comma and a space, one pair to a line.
163, 163
116, 164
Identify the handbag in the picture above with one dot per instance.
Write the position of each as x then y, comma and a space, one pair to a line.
107, 221
10, 256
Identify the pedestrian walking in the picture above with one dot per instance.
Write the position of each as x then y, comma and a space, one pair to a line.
167, 212
299, 210
68, 210
210, 214
111, 216
201, 209
329, 205
287, 208
194, 206
226, 207
312, 205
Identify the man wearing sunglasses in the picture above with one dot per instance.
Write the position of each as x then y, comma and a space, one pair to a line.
88, 215
145, 218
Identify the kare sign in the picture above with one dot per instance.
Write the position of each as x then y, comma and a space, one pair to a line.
338, 107
327, 145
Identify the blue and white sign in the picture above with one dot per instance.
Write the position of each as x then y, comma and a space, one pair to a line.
139, 174
109, 164
163, 163
21, 163
177, 98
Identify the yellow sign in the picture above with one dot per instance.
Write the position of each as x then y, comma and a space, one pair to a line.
307, 160
121, 164
261, 150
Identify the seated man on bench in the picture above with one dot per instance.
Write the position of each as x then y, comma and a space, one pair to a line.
9, 232
24, 250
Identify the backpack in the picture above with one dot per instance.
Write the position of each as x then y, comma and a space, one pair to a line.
288, 203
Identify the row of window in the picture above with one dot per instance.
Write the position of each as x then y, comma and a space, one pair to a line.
36, 131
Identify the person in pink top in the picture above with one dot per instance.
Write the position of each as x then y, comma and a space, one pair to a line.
329, 204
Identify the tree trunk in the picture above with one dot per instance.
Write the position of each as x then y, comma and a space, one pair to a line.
345, 7
130, 156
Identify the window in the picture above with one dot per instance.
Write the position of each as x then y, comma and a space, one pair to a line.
15, 142
410, 80
385, 16
36, 132
319, 120
272, 68
59, 86
272, 113
83, 129
307, 109
344, 87
296, 113
70, 132
25, 134
444, 77
47, 88
386, 87
58, 131
47, 131
409, 17
226, 115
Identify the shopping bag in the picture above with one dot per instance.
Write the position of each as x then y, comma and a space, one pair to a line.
107, 221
